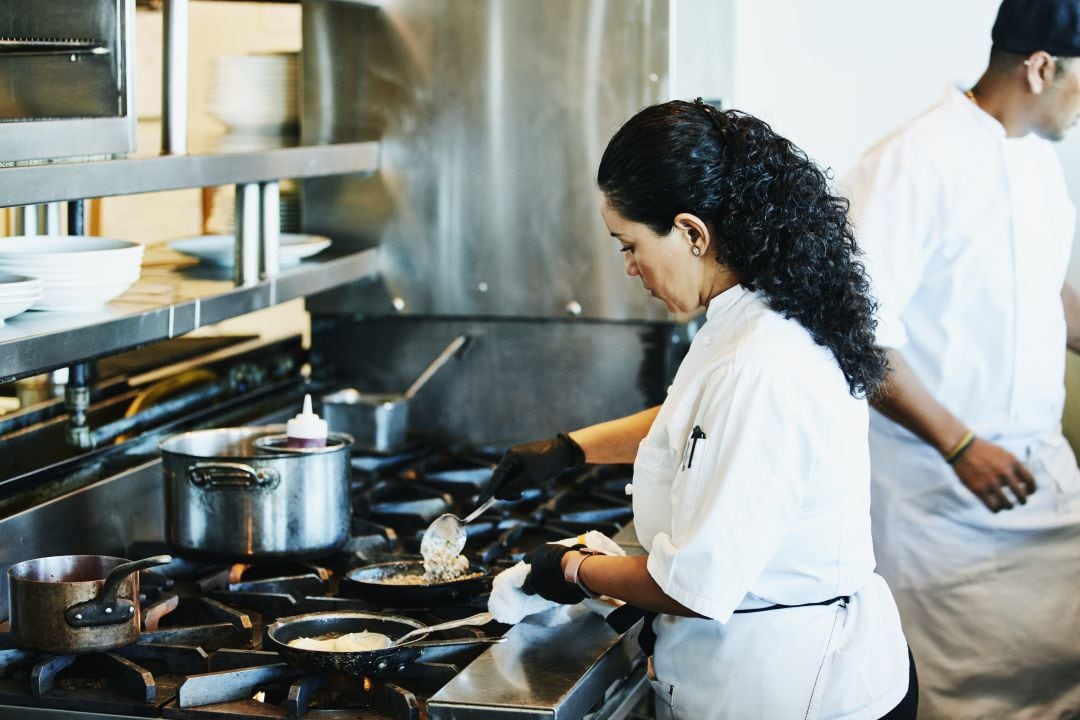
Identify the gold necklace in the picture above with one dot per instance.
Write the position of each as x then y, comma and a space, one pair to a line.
970, 95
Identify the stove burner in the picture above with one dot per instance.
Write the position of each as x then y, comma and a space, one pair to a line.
196, 621
199, 657
121, 681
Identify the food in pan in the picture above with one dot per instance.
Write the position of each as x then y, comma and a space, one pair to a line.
362, 641
444, 565
421, 579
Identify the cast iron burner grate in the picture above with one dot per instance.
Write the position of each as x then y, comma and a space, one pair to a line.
136, 679
257, 684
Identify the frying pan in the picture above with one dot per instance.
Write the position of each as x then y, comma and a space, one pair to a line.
367, 583
367, 662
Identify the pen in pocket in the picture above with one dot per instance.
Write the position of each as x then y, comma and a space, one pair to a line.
696, 434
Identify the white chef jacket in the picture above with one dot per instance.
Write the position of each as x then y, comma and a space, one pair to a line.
967, 236
770, 507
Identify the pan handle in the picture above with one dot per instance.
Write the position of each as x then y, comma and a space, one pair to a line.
478, 619
415, 652
437, 363
106, 608
232, 475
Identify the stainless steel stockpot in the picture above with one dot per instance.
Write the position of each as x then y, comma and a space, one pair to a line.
230, 497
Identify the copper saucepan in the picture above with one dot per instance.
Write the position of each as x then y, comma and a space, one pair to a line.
71, 604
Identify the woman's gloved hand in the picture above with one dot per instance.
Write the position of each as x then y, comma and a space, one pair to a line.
531, 465
546, 576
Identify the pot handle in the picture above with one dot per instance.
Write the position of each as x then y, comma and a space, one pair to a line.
106, 608
231, 475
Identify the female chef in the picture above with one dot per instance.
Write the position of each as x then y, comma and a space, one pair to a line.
751, 485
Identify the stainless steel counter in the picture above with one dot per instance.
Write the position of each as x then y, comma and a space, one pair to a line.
544, 670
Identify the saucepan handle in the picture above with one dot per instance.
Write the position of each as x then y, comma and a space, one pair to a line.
107, 608
232, 476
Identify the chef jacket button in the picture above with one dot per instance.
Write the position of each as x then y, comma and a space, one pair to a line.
629, 489
706, 341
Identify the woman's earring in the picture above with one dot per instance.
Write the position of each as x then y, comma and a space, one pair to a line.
696, 250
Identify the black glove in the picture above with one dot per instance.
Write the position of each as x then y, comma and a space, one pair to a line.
545, 576
531, 465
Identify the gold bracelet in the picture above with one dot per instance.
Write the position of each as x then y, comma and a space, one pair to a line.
954, 454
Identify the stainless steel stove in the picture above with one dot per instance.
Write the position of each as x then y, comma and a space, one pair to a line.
200, 653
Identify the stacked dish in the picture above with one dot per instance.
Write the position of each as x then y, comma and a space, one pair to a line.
223, 210
78, 272
17, 294
256, 92
219, 249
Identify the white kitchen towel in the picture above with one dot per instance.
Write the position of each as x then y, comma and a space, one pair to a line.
509, 603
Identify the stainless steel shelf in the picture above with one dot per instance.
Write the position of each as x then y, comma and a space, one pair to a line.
164, 303
32, 184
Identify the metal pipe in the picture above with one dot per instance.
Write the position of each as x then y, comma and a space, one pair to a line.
174, 86
270, 227
26, 220
76, 217
51, 218
77, 402
160, 411
248, 217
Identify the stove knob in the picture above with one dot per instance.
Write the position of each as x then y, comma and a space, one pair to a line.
629, 489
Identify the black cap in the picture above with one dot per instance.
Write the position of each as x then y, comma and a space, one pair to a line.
1025, 26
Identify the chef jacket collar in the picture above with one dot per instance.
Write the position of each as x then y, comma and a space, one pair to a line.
724, 300
980, 117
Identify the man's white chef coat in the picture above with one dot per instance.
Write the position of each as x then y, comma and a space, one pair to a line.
967, 236
771, 506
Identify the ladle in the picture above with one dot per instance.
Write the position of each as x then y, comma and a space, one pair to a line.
478, 619
448, 532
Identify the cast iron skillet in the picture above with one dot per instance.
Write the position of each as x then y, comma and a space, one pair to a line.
364, 583
386, 660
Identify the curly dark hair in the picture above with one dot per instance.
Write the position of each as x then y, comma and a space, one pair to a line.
777, 225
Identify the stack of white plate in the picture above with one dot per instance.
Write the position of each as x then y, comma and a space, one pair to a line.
219, 249
255, 93
222, 218
17, 294
79, 273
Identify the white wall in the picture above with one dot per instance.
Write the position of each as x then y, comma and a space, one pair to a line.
835, 75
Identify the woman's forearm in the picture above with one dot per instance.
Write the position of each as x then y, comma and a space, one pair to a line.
627, 579
615, 441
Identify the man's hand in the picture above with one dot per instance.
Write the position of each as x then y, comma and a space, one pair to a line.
987, 469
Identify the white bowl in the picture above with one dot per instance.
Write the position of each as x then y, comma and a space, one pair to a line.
82, 297
10, 308
218, 249
70, 267
15, 285
63, 246
67, 282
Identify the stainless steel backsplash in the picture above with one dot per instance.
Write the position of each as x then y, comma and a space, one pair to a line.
492, 116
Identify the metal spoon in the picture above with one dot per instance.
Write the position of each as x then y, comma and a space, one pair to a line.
448, 532
478, 619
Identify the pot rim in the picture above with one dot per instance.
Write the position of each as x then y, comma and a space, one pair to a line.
351, 397
336, 442
12, 570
